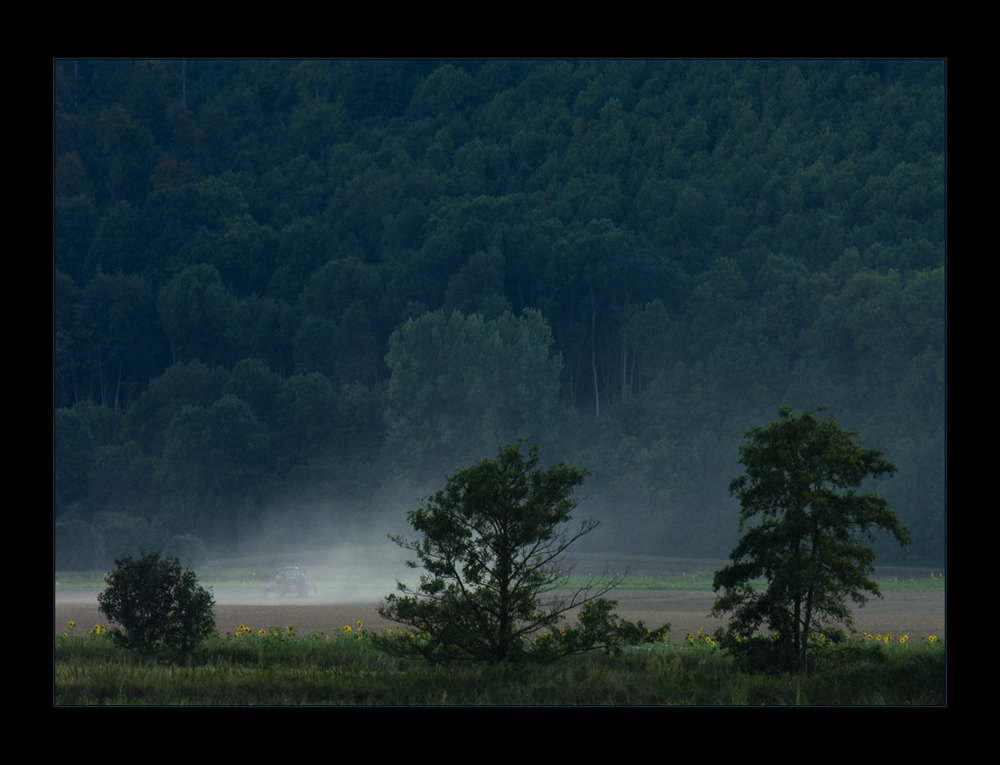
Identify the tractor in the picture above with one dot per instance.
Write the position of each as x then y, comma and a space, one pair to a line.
291, 581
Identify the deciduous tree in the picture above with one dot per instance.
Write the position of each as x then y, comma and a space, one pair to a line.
807, 541
493, 545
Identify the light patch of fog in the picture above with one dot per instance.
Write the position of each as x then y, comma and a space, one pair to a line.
344, 551
348, 573
344, 548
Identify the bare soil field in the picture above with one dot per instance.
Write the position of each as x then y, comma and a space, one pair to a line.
914, 613
917, 614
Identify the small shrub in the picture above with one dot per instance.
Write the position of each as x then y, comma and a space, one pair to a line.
158, 605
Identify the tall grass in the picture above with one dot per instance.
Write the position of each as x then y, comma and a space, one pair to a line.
283, 668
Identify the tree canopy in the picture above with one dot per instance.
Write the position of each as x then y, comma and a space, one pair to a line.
461, 384
493, 545
699, 242
808, 538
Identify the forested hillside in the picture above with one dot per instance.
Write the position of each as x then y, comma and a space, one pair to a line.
289, 284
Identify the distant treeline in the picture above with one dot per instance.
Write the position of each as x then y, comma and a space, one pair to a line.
287, 281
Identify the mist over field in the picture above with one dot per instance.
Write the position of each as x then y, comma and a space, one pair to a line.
292, 297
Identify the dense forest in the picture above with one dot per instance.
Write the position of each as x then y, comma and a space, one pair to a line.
296, 293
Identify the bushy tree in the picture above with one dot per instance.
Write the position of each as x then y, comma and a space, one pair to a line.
808, 541
156, 604
493, 543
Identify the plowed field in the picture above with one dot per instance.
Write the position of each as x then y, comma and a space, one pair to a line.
915, 613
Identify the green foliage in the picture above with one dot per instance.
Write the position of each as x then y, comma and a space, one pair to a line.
181, 385
253, 382
158, 605
277, 667
494, 539
122, 341
799, 486
757, 654
221, 449
244, 253
79, 547
196, 310
307, 413
362, 194
126, 534
73, 458
460, 385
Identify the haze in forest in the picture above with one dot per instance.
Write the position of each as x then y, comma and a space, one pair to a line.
290, 297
